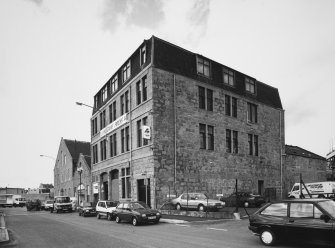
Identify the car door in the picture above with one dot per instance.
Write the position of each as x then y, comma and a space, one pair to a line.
192, 201
183, 200
126, 212
304, 223
119, 210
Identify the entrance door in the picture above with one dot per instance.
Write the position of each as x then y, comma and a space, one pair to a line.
115, 185
260, 187
143, 184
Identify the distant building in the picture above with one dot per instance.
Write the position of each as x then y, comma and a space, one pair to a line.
298, 161
170, 121
331, 166
14, 191
70, 152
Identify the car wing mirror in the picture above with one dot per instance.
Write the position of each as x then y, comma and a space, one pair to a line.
325, 217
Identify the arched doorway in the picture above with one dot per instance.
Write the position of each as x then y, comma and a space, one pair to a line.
115, 185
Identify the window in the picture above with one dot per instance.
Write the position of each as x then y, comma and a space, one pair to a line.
113, 84
113, 145
103, 149
210, 132
126, 98
125, 139
252, 113
126, 71
206, 135
95, 154
139, 134
112, 112
142, 55
121, 105
205, 98
94, 126
126, 185
235, 142
144, 88
230, 106
203, 67
138, 93
202, 132
102, 119
96, 101
301, 210
104, 93
250, 85
144, 123
276, 209
228, 140
124, 101
253, 144
228, 77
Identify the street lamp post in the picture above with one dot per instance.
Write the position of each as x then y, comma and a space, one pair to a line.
80, 170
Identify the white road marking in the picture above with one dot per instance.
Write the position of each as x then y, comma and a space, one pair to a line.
217, 229
183, 225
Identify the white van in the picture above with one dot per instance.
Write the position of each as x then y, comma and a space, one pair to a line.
318, 189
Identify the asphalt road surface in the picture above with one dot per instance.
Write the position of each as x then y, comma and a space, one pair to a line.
43, 229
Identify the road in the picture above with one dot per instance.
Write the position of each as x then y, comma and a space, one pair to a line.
43, 229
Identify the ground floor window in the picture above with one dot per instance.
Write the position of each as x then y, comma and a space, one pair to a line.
126, 185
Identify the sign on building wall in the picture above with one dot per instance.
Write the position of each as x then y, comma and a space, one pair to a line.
114, 125
146, 132
95, 188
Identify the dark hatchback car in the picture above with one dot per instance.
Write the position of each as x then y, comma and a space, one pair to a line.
243, 199
306, 220
136, 213
87, 209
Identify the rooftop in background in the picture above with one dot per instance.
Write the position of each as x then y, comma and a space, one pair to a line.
298, 151
76, 147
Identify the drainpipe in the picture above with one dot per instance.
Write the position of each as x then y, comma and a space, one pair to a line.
175, 131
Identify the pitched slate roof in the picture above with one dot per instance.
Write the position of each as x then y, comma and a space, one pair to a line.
76, 147
298, 151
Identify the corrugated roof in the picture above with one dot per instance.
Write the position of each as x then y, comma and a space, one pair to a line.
298, 151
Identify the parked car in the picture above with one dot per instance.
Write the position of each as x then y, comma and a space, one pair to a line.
309, 220
61, 204
136, 213
87, 209
245, 199
33, 205
197, 201
47, 205
106, 208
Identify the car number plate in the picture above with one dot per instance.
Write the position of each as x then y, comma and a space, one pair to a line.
152, 217
219, 206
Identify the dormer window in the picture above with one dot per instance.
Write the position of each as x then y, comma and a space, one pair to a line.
142, 55
203, 67
126, 71
104, 94
113, 84
228, 77
250, 85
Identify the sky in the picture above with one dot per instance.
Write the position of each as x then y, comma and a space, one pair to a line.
54, 53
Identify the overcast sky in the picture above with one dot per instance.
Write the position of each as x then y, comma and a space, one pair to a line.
56, 52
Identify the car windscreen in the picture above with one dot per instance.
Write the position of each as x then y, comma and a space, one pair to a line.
49, 202
63, 200
139, 205
200, 197
111, 204
329, 206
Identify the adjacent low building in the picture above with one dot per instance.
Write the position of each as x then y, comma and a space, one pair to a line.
170, 121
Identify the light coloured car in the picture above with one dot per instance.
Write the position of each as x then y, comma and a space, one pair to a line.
106, 208
197, 201
48, 204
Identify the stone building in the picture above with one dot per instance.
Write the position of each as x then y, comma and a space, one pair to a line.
170, 121
298, 161
70, 152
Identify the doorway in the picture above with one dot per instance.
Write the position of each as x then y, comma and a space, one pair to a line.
143, 191
260, 187
115, 185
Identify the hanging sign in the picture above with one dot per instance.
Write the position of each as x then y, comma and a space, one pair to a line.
114, 125
146, 132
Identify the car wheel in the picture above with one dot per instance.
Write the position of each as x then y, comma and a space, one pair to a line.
79, 214
118, 220
267, 237
246, 204
98, 216
201, 208
178, 207
134, 221
109, 216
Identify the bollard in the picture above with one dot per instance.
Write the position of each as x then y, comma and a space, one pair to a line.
3, 230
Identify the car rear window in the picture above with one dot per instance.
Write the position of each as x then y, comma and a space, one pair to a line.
276, 209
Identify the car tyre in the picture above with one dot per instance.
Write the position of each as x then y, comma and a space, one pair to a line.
178, 207
267, 237
201, 208
134, 221
79, 214
98, 216
117, 219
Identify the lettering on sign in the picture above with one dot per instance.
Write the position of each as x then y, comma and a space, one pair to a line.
114, 125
